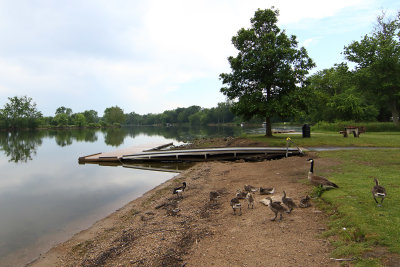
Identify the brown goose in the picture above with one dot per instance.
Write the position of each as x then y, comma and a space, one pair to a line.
288, 202
276, 207
250, 188
235, 204
305, 202
378, 191
214, 195
319, 180
267, 191
250, 200
241, 194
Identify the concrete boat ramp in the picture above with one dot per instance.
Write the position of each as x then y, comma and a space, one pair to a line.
164, 153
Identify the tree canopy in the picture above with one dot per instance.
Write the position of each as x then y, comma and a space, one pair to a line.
114, 115
20, 112
378, 63
268, 71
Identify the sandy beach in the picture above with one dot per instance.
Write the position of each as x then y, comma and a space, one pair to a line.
161, 229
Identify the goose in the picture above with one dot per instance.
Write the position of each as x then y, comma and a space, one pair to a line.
250, 200
249, 188
267, 191
214, 195
240, 194
305, 202
276, 207
235, 204
288, 202
319, 180
378, 191
179, 190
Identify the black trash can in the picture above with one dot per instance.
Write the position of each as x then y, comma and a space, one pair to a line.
306, 131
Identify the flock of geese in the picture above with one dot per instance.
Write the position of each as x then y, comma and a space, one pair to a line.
287, 204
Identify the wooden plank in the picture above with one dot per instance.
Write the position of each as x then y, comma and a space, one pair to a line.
191, 154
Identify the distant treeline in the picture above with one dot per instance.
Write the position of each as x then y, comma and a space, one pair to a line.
21, 113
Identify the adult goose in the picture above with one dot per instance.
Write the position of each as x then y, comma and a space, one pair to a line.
319, 180
288, 202
276, 207
378, 191
179, 190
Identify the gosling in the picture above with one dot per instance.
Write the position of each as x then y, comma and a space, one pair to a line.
276, 208
378, 191
267, 191
250, 200
288, 202
235, 204
240, 194
214, 195
305, 202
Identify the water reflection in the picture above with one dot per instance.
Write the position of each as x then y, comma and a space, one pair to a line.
22, 146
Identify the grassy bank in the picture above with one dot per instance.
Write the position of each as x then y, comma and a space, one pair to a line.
333, 139
358, 228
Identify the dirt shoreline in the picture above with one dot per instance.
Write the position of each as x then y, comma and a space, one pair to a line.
158, 229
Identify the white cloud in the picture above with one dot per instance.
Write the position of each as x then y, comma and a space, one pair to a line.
143, 55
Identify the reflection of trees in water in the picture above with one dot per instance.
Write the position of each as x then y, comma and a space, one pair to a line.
114, 136
66, 137
20, 146
185, 133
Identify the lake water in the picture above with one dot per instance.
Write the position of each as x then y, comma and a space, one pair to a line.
46, 196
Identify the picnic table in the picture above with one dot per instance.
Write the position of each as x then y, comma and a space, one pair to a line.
355, 130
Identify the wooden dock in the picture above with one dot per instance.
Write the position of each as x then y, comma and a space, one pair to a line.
190, 155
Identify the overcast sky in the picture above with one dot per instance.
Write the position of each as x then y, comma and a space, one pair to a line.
153, 55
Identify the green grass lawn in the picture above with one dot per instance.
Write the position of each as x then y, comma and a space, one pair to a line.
334, 139
357, 225
355, 218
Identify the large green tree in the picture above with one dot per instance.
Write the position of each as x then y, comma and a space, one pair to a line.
20, 112
268, 71
378, 63
334, 97
114, 115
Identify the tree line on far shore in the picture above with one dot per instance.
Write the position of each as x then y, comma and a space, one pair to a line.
269, 82
22, 113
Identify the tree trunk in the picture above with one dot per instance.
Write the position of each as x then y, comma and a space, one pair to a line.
395, 112
268, 128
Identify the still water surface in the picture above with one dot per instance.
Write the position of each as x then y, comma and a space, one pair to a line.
46, 196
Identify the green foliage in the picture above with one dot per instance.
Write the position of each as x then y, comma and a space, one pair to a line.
114, 115
61, 119
333, 97
91, 116
268, 72
20, 112
378, 64
79, 120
